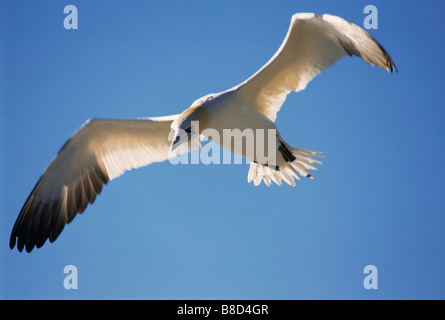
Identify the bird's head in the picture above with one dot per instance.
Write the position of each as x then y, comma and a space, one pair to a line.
188, 126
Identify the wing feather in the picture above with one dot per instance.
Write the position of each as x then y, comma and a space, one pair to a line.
100, 151
312, 44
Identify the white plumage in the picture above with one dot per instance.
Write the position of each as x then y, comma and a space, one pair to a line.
102, 150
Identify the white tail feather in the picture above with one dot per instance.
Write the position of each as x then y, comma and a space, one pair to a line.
292, 170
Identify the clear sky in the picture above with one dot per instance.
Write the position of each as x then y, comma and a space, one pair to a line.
201, 231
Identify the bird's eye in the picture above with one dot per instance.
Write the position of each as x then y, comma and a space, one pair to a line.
189, 132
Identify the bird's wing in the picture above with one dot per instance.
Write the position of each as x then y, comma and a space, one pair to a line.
98, 152
313, 43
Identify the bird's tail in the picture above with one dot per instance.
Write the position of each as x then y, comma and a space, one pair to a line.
296, 168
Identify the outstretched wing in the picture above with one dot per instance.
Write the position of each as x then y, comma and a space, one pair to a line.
98, 152
313, 43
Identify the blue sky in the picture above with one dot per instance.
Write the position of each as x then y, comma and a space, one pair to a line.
201, 231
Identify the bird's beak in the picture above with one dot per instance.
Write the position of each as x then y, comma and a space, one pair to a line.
179, 139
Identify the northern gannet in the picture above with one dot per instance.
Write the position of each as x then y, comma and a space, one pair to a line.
102, 150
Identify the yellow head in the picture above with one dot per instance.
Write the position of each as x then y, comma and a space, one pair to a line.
189, 123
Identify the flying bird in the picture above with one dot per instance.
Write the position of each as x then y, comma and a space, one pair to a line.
102, 150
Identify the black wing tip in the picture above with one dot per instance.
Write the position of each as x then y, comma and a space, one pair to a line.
21, 243
29, 239
390, 65
29, 244
38, 221
12, 242
393, 68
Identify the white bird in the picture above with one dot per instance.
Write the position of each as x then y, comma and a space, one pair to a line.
102, 150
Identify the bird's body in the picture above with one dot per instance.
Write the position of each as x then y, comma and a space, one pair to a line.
102, 150
243, 130
226, 113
